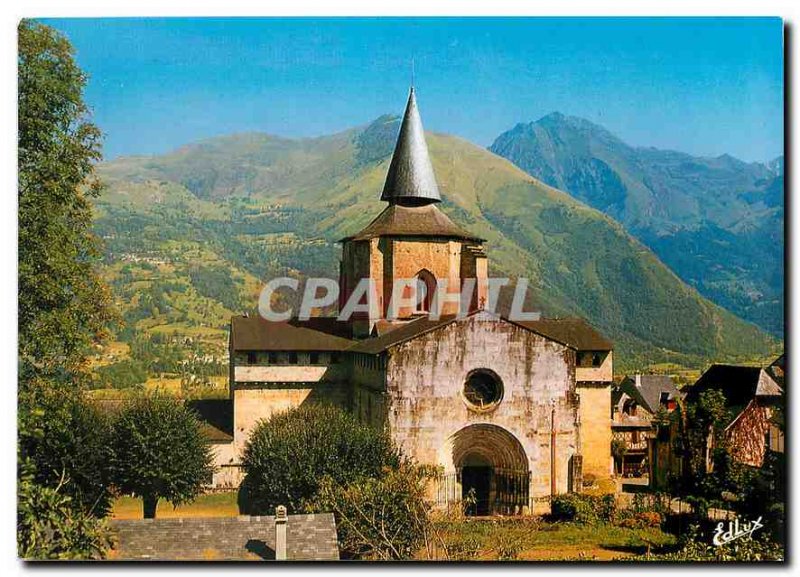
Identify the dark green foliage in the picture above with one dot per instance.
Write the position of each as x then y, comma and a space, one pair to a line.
217, 283
50, 526
68, 447
698, 547
124, 374
288, 455
159, 451
708, 416
765, 494
583, 508
63, 306
384, 518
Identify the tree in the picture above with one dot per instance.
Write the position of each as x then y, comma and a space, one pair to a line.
288, 455
72, 443
159, 452
63, 304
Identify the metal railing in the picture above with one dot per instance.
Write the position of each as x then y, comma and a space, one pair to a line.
506, 493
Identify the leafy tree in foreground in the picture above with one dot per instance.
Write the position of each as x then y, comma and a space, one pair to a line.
72, 442
288, 455
63, 305
159, 452
49, 523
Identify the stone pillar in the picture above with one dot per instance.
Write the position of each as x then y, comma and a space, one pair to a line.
280, 533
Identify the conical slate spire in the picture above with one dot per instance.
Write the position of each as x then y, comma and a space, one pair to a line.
410, 180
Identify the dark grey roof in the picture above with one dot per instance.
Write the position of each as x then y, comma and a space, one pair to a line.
574, 333
410, 179
425, 221
317, 334
216, 418
308, 538
648, 394
738, 384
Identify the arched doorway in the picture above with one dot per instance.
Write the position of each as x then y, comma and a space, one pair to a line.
491, 470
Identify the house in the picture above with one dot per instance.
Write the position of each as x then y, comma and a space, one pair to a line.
635, 401
513, 410
752, 397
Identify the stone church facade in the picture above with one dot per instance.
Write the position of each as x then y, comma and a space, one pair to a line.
509, 411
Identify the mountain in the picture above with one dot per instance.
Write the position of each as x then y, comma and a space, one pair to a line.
717, 222
191, 234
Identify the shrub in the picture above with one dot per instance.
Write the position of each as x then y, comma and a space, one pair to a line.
583, 508
637, 520
51, 526
159, 451
65, 437
698, 547
288, 455
383, 518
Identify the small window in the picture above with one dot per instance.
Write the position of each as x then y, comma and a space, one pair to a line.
664, 399
314, 358
596, 360
272, 358
251, 358
334, 358
483, 390
292, 358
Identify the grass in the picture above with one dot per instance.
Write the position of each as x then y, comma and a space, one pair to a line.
209, 505
535, 539
521, 538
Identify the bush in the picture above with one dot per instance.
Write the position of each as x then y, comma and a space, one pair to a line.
382, 518
51, 526
638, 519
583, 508
288, 455
159, 451
698, 547
66, 441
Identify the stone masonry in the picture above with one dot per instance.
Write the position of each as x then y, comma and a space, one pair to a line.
309, 538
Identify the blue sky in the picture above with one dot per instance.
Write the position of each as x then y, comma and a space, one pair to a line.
704, 86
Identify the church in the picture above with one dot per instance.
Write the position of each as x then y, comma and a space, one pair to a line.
509, 411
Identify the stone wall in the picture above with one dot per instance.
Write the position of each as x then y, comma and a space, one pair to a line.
309, 538
258, 402
595, 415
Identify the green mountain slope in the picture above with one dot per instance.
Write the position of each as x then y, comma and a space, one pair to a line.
717, 222
264, 206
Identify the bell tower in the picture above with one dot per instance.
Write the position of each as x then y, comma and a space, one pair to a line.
411, 246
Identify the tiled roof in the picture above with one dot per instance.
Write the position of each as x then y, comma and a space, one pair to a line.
571, 332
738, 384
648, 394
425, 221
258, 334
